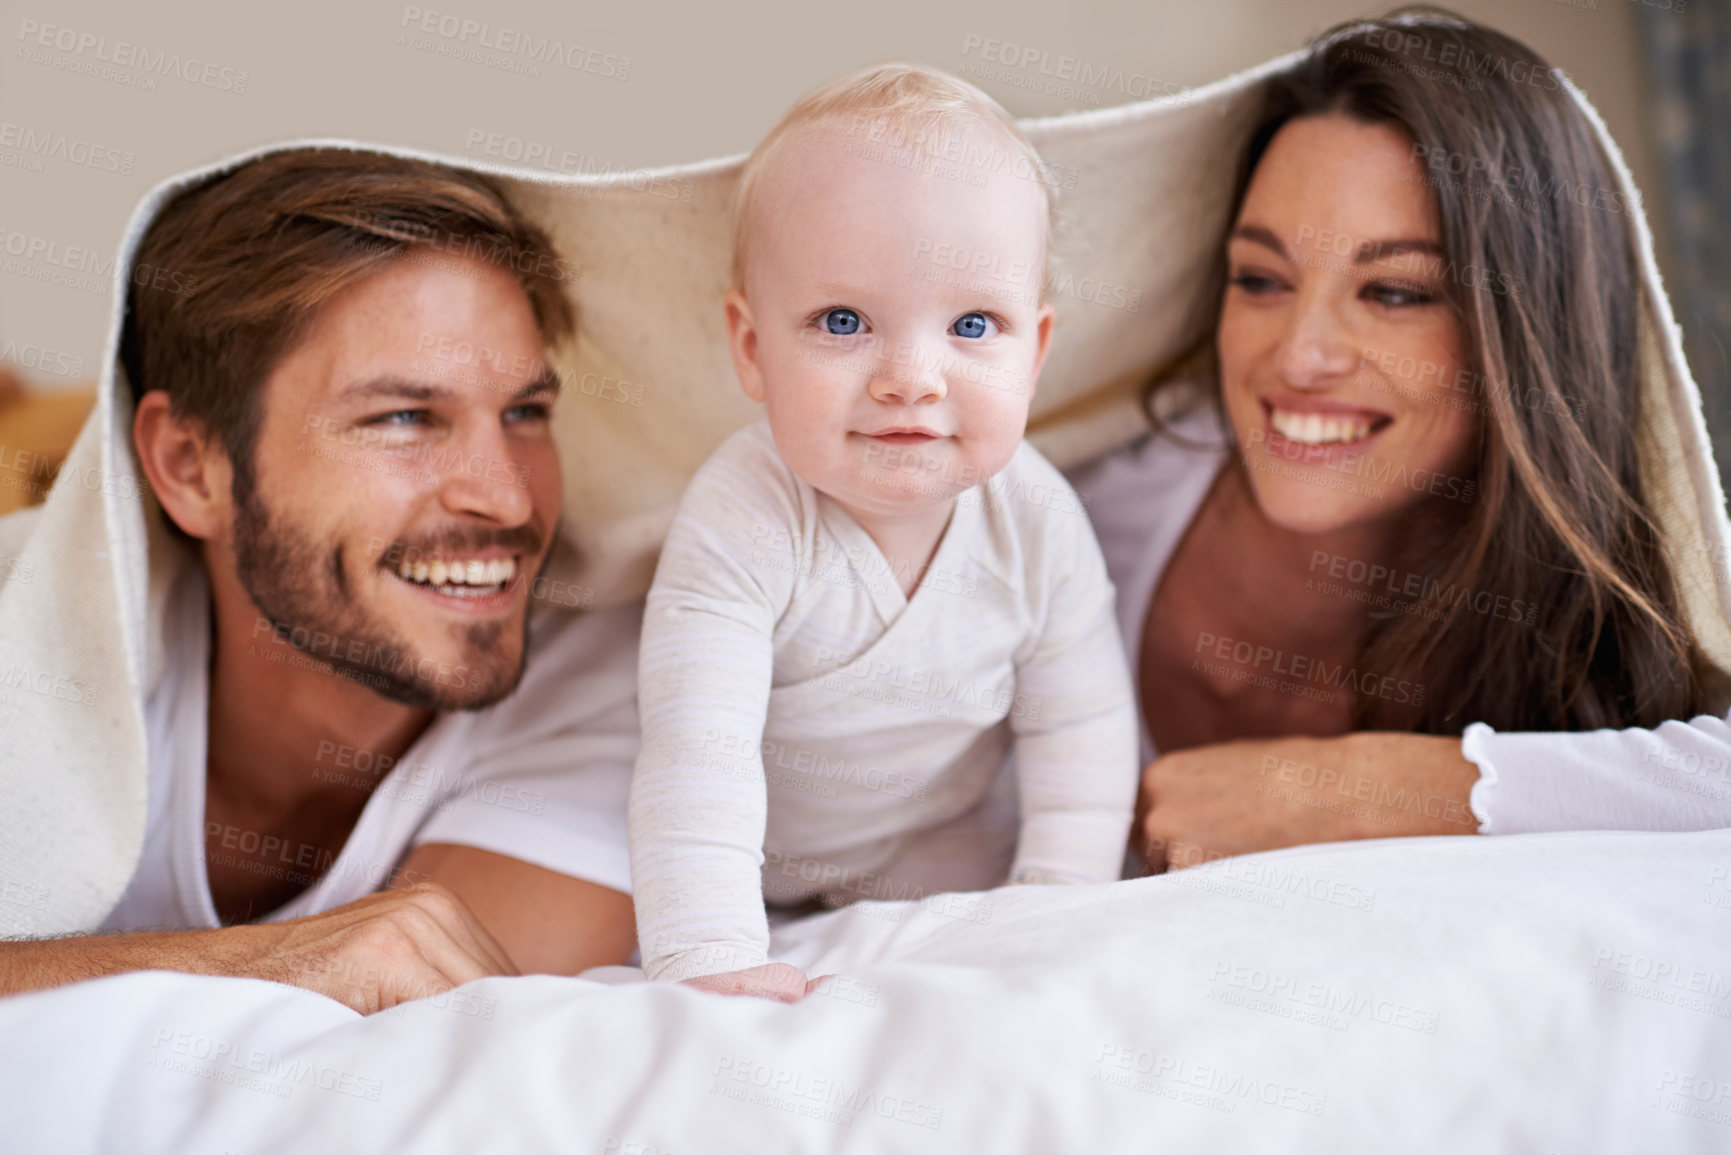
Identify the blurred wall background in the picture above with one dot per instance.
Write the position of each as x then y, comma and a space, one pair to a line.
126, 93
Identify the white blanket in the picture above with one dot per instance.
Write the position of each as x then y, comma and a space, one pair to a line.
1567, 993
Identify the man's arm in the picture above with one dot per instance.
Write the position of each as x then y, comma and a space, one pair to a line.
546, 922
372, 954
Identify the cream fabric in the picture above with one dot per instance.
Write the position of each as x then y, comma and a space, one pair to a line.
1144, 192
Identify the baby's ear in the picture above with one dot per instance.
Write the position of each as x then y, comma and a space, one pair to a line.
1046, 320
742, 343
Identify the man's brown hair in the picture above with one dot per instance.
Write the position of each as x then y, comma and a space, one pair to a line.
232, 271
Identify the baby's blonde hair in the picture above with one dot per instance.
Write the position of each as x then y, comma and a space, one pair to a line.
925, 103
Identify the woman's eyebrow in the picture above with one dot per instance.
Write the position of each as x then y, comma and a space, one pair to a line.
1257, 235
1376, 250
1368, 251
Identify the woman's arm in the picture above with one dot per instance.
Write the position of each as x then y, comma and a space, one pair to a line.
1238, 797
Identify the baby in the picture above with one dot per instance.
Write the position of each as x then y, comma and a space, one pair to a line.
870, 599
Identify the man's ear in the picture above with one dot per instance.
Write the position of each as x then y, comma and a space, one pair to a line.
742, 343
190, 473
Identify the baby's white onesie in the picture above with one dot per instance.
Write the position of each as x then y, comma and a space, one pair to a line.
798, 708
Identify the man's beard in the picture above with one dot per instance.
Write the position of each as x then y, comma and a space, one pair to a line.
303, 591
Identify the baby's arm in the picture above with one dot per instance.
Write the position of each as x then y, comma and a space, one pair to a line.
1074, 721
698, 804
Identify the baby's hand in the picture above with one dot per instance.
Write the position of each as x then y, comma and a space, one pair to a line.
777, 981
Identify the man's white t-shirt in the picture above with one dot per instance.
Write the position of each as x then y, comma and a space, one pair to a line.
542, 776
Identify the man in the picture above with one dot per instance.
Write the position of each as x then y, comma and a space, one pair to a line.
343, 410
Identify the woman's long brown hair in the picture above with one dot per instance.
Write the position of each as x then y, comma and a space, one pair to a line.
1543, 278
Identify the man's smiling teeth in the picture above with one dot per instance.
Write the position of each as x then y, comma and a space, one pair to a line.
1319, 428
458, 572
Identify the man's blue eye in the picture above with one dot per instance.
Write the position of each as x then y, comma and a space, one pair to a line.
971, 325
841, 322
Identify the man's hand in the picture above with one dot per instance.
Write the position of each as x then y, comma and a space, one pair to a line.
370, 955
1238, 797
778, 981
378, 951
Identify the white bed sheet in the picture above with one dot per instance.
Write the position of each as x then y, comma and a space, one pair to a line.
1545, 993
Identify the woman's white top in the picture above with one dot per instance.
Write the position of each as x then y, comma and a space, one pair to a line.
807, 726
1675, 777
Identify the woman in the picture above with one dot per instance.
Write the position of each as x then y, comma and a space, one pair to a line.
1427, 551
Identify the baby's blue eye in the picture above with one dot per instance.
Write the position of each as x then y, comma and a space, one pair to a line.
971, 325
841, 322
